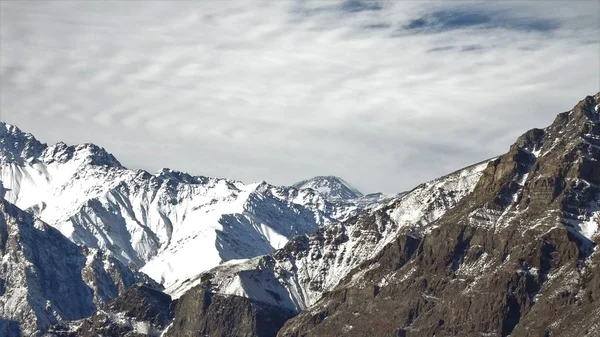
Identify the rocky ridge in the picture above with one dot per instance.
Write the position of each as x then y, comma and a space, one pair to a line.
518, 256
45, 278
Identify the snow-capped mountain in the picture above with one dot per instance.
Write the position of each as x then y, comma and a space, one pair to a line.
338, 191
518, 256
268, 290
504, 247
297, 275
45, 278
170, 225
332, 187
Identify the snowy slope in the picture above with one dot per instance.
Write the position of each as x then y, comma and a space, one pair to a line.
309, 265
45, 278
170, 225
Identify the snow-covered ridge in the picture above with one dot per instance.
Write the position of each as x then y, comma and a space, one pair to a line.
17, 146
297, 275
171, 225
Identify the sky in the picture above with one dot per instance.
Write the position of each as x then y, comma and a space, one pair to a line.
383, 94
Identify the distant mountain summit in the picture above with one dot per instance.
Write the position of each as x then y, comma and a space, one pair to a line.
22, 148
331, 187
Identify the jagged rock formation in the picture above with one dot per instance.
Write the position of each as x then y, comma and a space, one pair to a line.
45, 278
203, 313
518, 256
140, 311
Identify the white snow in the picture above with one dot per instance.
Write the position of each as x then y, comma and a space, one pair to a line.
588, 227
415, 210
170, 225
300, 278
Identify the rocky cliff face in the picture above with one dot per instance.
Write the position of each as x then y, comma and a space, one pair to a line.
140, 311
202, 313
516, 257
45, 278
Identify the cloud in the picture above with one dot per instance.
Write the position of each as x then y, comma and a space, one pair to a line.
354, 6
449, 19
479, 18
281, 91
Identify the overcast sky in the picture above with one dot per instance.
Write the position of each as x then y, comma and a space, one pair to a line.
386, 95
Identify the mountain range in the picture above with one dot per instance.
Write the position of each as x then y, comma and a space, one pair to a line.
507, 246
169, 225
159, 222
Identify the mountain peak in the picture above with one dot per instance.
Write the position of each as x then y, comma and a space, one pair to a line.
16, 145
332, 187
92, 153
167, 173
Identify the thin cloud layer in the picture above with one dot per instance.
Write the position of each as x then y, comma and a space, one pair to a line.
462, 18
384, 94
